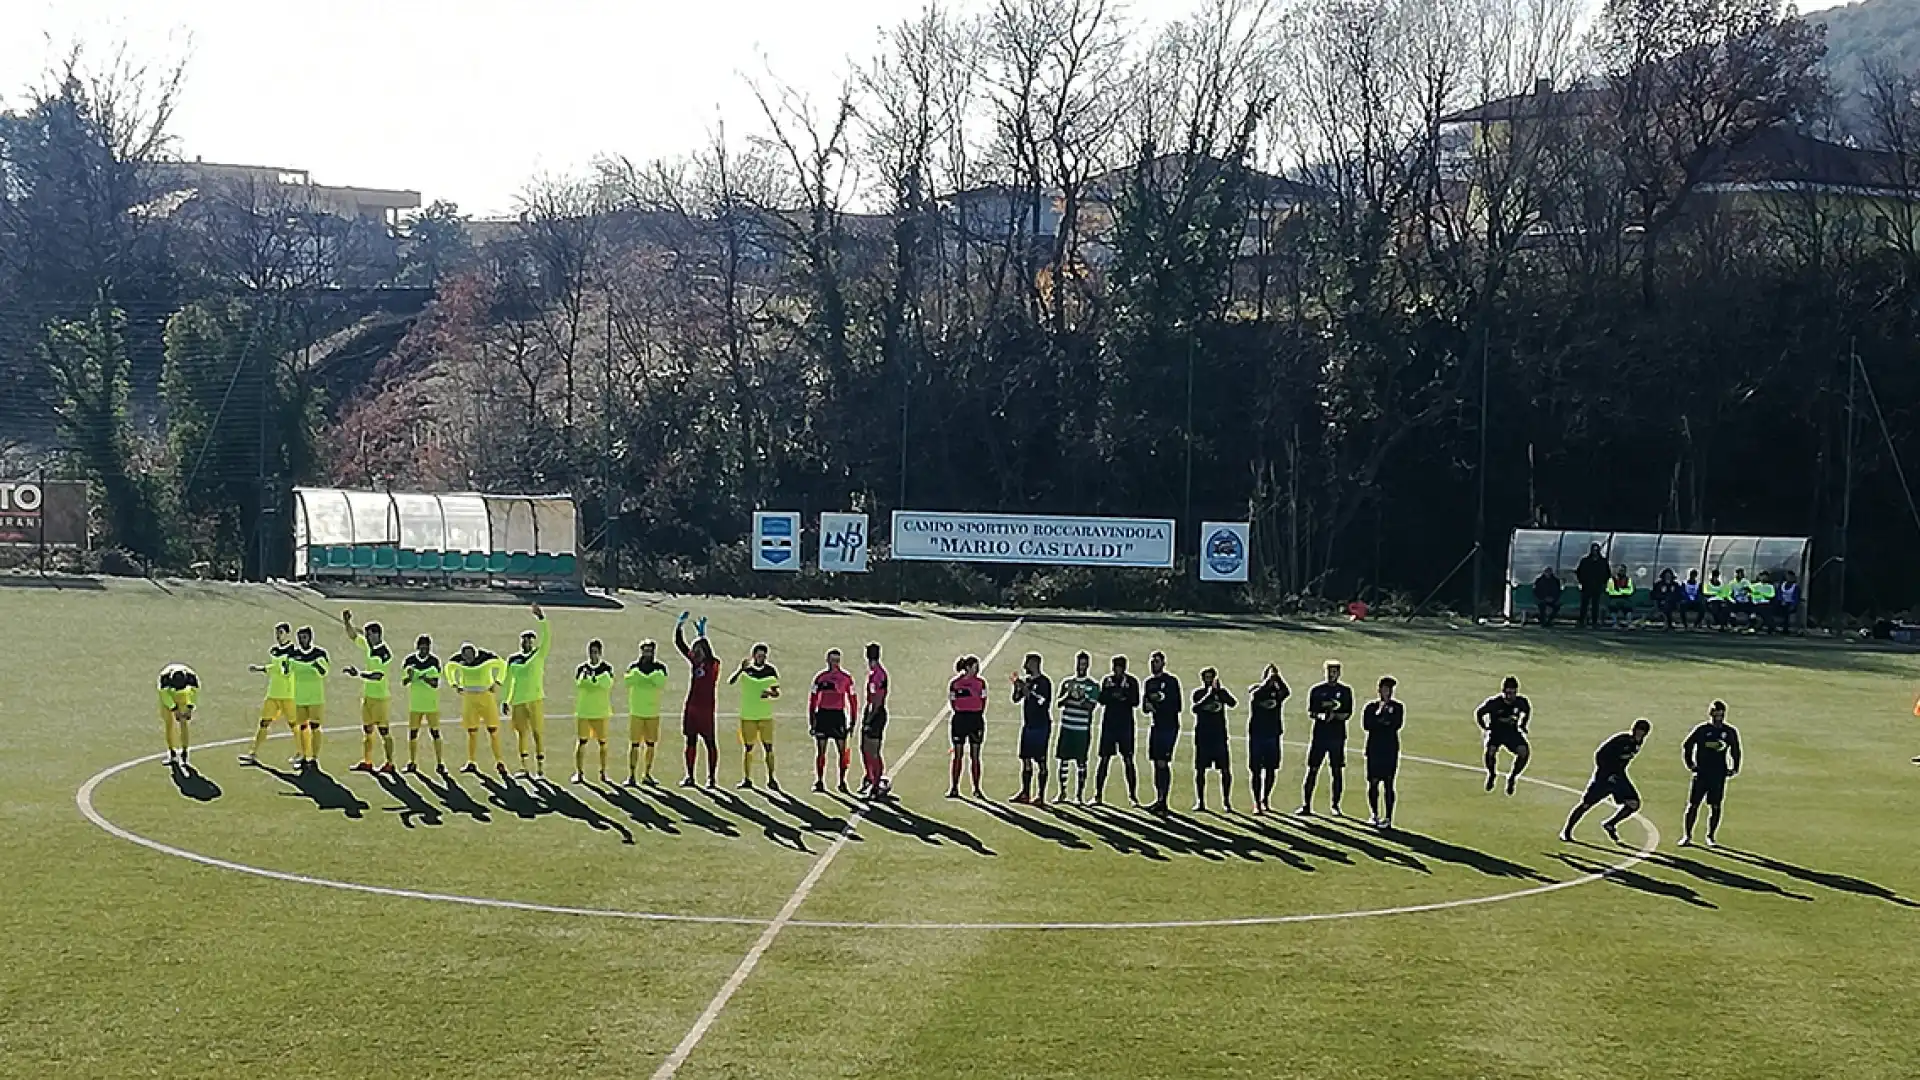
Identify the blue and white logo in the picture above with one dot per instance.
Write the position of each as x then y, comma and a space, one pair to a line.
843, 543
776, 541
1223, 551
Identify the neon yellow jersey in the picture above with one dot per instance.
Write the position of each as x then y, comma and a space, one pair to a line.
526, 677
179, 687
421, 676
644, 687
482, 674
1763, 592
279, 676
379, 662
1617, 589
754, 684
309, 676
593, 692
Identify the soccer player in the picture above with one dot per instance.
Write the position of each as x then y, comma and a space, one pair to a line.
1211, 700
1034, 692
1712, 754
526, 694
1504, 718
179, 692
759, 686
474, 674
646, 680
308, 663
1382, 721
827, 709
702, 685
1119, 696
592, 708
1266, 701
420, 673
967, 697
1164, 701
873, 726
376, 692
1078, 696
1330, 704
279, 702
1610, 781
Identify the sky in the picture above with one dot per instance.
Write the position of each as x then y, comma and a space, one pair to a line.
463, 99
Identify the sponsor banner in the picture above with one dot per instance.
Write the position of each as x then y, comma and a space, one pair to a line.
776, 540
53, 514
1030, 539
1224, 546
843, 543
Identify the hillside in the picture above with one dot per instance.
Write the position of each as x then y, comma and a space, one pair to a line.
1868, 33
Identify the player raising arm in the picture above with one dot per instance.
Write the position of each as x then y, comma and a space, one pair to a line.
1504, 718
1712, 754
646, 680
697, 718
1610, 781
179, 692
279, 701
592, 708
376, 691
828, 706
526, 694
420, 674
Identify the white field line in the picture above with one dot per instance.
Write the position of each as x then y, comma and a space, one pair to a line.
787, 911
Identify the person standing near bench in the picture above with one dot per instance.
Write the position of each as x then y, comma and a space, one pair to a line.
1546, 596
1591, 575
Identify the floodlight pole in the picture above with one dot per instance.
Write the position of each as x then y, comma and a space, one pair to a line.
1480, 474
1186, 514
1846, 494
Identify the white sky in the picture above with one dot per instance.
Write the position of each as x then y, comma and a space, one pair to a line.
464, 99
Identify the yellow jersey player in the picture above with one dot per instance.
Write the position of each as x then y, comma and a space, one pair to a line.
420, 674
526, 695
646, 681
759, 686
474, 674
179, 692
592, 708
279, 702
308, 663
376, 691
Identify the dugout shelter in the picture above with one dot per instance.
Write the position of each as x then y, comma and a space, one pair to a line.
1645, 555
469, 538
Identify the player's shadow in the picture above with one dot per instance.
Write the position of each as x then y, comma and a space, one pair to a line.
695, 814
898, 819
1446, 851
1167, 833
1044, 830
1301, 845
1824, 878
1245, 842
455, 798
513, 798
644, 813
326, 792
1652, 886
1361, 844
811, 817
563, 802
1121, 842
772, 828
413, 808
194, 785
1720, 875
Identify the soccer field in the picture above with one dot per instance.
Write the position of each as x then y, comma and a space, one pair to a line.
514, 932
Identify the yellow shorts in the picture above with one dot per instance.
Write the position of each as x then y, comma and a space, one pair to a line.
756, 732
643, 729
531, 716
373, 712
310, 715
168, 716
478, 711
417, 720
593, 727
277, 708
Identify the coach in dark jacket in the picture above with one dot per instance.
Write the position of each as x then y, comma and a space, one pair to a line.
1546, 596
1592, 575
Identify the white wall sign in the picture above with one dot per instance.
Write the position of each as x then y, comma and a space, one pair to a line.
1224, 548
843, 543
776, 540
928, 536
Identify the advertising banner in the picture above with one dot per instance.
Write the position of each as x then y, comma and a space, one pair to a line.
928, 536
843, 543
776, 540
51, 514
1224, 548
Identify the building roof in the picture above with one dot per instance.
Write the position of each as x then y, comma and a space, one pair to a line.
1173, 169
1782, 157
1542, 102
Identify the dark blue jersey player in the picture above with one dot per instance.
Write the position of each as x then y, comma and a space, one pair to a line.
1712, 754
1504, 718
1610, 781
1329, 704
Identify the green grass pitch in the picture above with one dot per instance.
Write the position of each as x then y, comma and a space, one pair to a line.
1796, 954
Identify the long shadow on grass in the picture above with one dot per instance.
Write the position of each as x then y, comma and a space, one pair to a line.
642, 812
1121, 842
1359, 843
326, 792
412, 808
455, 798
513, 798
1720, 875
1251, 845
1167, 833
694, 814
1823, 878
1639, 882
811, 817
773, 829
895, 818
1045, 830
1301, 844
565, 804
1445, 851
193, 785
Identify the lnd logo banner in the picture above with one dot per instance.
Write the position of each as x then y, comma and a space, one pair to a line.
843, 543
776, 540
